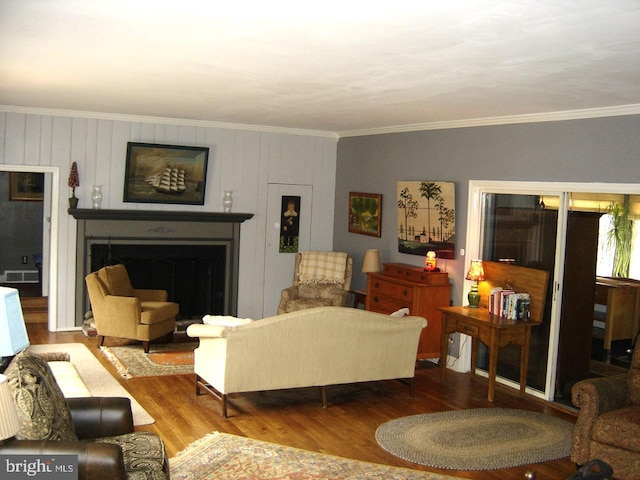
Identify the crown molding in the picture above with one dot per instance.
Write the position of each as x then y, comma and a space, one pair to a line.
615, 111
633, 109
164, 121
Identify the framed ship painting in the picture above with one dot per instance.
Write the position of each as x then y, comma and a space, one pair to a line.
426, 218
165, 173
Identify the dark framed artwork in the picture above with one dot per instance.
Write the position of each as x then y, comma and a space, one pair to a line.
165, 173
26, 186
365, 213
289, 224
426, 218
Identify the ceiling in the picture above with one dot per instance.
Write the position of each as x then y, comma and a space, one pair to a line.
329, 66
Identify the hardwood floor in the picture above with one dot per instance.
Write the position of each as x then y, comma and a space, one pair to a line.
296, 417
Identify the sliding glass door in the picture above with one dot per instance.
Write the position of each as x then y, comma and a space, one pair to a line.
559, 228
521, 230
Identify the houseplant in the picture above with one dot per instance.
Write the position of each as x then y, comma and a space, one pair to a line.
619, 236
74, 181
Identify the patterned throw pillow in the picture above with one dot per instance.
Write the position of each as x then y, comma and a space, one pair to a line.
633, 377
42, 409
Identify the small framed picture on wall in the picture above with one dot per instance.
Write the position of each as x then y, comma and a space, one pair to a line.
365, 213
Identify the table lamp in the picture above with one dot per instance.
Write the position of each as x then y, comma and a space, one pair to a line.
9, 422
430, 261
371, 262
476, 274
13, 332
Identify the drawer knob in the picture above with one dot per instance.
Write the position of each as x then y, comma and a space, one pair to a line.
377, 285
375, 299
404, 292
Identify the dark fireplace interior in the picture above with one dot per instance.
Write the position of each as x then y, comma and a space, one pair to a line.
193, 275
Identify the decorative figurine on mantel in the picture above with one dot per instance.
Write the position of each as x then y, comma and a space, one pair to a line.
74, 181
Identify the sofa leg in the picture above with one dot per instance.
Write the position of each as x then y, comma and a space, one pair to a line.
198, 391
170, 337
323, 393
100, 340
223, 402
145, 346
412, 389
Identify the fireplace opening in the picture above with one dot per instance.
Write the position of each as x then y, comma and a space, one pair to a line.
193, 275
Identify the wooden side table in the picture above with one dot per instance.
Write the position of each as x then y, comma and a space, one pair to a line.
359, 298
492, 330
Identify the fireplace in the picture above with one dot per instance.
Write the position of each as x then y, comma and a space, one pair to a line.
192, 255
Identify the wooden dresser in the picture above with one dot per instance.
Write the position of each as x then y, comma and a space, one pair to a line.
400, 285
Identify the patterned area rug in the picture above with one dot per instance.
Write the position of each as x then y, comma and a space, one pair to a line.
477, 439
222, 456
162, 359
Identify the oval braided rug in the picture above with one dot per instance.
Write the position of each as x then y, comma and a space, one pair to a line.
477, 439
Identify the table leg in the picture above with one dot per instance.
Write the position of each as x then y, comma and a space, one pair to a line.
493, 365
524, 361
474, 356
444, 349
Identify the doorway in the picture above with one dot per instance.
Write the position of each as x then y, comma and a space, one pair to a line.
278, 266
49, 234
553, 227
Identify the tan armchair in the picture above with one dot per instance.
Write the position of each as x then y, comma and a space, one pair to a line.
320, 279
608, 425
121, 311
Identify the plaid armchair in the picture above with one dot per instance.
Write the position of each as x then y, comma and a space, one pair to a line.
320, 279
608, 425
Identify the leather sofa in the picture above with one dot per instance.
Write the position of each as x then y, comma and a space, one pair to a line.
314, 347
99, 430
608, 424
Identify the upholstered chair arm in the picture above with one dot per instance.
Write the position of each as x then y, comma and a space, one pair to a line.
95, 417
119, 316
288, 294
594, 397
150, 295
205, 331
96, 461
340, 299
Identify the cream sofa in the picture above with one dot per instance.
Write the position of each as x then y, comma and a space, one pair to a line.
315, 347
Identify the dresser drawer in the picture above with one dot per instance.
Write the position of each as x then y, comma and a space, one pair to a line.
415, 274
392, 289
383, 304
467, 328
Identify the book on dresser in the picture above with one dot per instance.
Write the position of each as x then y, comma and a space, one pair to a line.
401, 285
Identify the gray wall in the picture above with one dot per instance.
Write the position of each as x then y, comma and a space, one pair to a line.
21, 232
594, 150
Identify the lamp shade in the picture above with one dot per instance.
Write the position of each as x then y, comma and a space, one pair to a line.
430, 261
476, 271
371, 262
9, 422
13, 332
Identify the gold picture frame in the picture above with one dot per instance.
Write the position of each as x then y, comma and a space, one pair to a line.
365, 213
26, 187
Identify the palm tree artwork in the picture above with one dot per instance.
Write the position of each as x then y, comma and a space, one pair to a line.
426, 218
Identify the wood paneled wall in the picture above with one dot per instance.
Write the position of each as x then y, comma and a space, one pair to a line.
244, 161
